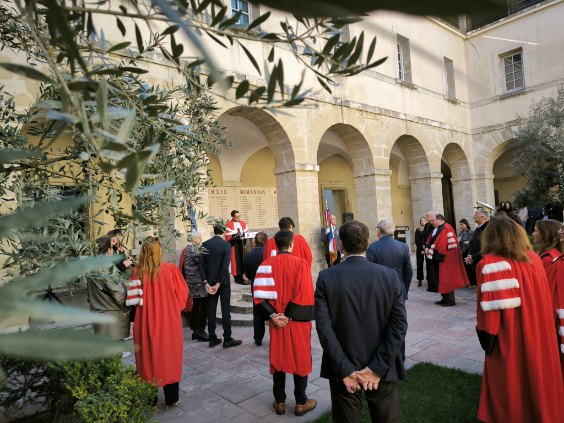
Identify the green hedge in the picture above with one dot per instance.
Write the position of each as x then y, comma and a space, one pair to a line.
83, 391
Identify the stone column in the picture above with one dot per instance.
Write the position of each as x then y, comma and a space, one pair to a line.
298, 197
463, 197
373, 197
426, 194
484, 184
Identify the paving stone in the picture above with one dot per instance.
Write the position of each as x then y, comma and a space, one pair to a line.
235, 385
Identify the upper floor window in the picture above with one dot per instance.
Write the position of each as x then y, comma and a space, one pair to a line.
450, 90
245, 9
513, 74
404, 59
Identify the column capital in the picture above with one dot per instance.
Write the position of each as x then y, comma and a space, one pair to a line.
363, 173
296, 167
484, 176
432, 175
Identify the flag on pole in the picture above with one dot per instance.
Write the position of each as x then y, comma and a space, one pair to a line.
331, 237
193, 217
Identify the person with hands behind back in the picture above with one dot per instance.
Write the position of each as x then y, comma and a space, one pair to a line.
283, 293
217, 254
361, 322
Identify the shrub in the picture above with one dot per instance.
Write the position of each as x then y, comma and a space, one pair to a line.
85, 391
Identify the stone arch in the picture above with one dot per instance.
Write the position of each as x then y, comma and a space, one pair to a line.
257, 136
460, 182
421, 186
348, 143
505, 182
250, 130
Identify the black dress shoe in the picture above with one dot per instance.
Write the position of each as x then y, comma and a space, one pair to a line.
258, 343
214, 342
194, 336
440, 302
448, 304
228, 343
203, 337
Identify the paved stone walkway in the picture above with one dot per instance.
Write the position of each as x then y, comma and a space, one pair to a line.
234, 385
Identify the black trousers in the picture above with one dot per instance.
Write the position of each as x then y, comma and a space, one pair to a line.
258, 325
383, 403
471, 273
432, 275
279, 389
420, 259
199, 315
171, 394
223, 294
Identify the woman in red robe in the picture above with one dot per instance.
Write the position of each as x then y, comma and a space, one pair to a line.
546, 237
522, 381
157, 331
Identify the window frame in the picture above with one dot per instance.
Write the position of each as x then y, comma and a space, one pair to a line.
504, 74
448, 69
403, 51
248, 14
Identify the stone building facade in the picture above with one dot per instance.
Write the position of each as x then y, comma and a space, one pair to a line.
431, 128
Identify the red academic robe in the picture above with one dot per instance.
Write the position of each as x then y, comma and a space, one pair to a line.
301, 249
522, 380
234, 228
553, 262
157, 331
279, 280
452, 274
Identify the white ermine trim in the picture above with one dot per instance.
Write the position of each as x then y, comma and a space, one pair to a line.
134, 292
501, 304
135, 282
562, 348
451, 241
499, 285
561, 331
267, 295
272, 253
451, 246
264, 282
560, 313
432, 246
450, 234
264, 269
496, 267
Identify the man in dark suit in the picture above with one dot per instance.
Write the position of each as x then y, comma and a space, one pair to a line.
251, 263
217, 254
391, 253
361, 322
474, 255
432, 275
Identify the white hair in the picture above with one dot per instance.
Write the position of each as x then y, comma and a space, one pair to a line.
386, 227
192, 236
483, 213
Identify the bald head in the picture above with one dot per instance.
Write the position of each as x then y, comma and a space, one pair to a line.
430, 215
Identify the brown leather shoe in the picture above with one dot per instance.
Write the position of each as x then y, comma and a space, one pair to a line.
308, 406
279, 407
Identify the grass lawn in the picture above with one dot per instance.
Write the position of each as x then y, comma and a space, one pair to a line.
434, 394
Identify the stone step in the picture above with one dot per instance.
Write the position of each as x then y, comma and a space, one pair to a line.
237, 319
242, 307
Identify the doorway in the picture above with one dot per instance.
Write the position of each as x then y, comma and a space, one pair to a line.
335, 199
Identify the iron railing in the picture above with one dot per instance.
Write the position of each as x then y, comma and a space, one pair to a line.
474, 22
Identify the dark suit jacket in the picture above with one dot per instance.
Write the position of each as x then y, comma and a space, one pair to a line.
476, 245
216, 258
252, 261
394, 254
361, 320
